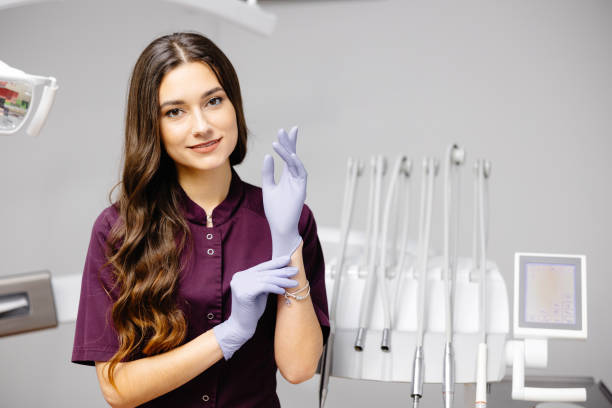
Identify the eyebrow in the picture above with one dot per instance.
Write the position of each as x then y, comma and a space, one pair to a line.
204, 95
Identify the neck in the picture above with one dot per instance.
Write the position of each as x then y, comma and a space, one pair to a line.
206, 188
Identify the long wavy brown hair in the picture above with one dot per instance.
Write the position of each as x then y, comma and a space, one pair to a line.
144, 247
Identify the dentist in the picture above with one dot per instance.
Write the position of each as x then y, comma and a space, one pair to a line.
198, 286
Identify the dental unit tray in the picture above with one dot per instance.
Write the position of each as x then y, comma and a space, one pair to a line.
396, 365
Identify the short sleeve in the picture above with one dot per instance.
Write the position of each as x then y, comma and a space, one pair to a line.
95, 338
314, 265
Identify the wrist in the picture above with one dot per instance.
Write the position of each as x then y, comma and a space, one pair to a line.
230, 336
282, 247
296, 258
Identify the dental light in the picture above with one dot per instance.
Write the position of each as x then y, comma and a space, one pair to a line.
246, 13
18, 94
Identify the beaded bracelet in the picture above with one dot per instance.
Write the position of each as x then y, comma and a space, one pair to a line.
295, 294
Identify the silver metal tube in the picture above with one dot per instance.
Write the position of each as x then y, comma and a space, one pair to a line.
417, 374
360, 339
448, 390
386, 340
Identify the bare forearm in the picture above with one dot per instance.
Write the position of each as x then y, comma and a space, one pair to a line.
142, 380
298, 341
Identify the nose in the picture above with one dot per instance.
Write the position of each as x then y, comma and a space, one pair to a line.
200, 125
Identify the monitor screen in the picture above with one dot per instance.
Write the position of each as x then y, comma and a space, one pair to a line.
549, 295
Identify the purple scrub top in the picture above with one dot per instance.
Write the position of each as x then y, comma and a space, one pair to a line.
239, 239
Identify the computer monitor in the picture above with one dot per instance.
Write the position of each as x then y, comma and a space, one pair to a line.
550, 299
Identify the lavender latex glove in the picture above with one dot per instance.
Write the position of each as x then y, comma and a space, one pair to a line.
250, 290
283, 202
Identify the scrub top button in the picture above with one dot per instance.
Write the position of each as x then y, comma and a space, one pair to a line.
205, 398
209, 236
211, 251
210, 316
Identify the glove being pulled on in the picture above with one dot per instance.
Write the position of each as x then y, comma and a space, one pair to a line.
250, 290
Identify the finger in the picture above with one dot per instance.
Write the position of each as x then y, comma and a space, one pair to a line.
268, 171
282, 282
271, 288
286, 156
284, 141
299, 166
274, 263
293, 138
285, 272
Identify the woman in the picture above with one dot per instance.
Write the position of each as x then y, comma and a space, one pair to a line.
174, 308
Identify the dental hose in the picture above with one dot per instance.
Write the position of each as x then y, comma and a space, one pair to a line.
482, 172
353, 173
370, 285
454, 158
369, 216
382, 281
354, 169
404, 239
429, 170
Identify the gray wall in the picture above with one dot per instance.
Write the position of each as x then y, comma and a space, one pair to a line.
526, 84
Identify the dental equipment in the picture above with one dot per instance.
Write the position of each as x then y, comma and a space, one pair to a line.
455, 157
247, 14
371, 281
482, 171
373, 364
550, 301
18, 97
398, 168
354, 171
400, 266
430, 169
396, 213
369, 218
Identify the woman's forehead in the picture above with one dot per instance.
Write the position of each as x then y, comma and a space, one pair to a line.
191, 77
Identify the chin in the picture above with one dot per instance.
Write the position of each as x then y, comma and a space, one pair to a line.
207, 164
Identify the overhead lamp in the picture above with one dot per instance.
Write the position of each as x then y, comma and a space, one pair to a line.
19, 95
246, 13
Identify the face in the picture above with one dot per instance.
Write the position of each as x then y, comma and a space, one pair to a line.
198, 122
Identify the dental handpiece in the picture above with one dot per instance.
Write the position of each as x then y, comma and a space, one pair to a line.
448, 385
417, 376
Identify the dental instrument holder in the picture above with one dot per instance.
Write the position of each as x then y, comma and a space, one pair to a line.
532, 349
395, 365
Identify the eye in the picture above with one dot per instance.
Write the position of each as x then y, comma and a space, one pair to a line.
215, 101
172, 113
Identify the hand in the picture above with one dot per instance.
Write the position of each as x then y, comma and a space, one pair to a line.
283, 202
250, 290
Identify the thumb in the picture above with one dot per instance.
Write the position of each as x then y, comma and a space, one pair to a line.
268, 172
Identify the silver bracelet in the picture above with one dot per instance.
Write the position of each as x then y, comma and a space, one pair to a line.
295, 294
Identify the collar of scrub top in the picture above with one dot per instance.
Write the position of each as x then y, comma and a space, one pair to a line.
8, 73
222, 212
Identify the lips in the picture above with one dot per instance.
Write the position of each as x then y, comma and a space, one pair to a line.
206, 144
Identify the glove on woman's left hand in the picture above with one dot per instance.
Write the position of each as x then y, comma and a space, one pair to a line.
283, 202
